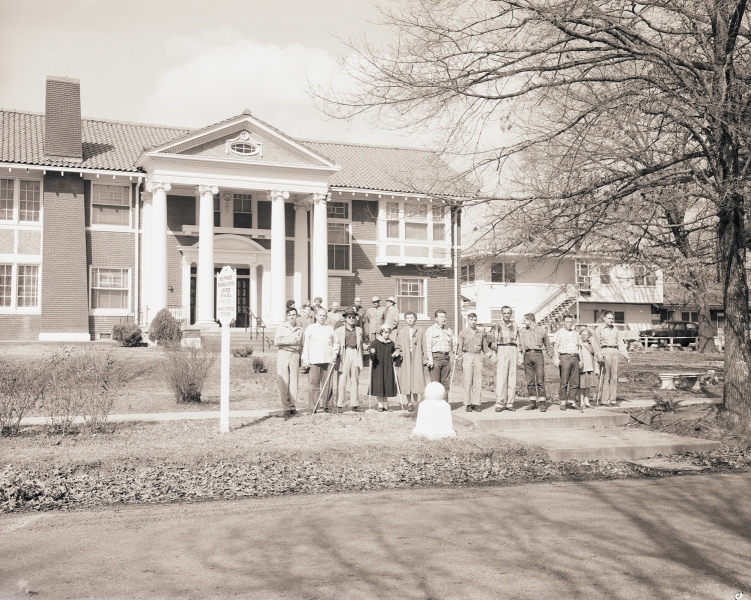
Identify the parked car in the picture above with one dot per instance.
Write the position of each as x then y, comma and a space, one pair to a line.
682, 332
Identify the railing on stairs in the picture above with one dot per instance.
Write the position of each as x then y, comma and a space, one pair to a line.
257, 328
557, 302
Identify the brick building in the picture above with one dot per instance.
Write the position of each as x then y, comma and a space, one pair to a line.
103, 221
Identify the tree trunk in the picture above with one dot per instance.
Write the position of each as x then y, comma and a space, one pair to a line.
705, 344
737, 394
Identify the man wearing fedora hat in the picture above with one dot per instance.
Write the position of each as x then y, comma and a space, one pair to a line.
349, 361
374, 319
391, 316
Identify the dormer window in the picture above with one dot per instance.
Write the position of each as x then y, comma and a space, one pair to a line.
244, 145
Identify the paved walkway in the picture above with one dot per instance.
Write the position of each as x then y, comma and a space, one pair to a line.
678, 537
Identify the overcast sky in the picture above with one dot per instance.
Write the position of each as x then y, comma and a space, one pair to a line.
187, 62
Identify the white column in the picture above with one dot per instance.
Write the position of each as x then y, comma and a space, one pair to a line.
185, 296
205, 269
301, 252
320, 261
265, 308
157, 257
145, 262
278, 257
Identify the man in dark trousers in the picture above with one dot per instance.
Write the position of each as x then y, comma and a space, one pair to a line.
534, 343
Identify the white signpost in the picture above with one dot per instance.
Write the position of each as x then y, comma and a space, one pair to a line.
226, 312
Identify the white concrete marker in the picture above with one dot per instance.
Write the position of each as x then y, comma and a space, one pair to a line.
226, 312
434, 414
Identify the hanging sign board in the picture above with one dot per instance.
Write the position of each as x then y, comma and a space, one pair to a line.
226, 296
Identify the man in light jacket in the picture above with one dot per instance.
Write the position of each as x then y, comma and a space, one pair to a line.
349, 363
391, 316
320, 349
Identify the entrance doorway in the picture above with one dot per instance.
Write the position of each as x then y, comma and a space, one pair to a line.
243, 296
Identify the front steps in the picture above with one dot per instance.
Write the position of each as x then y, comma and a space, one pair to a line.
595, 434
239, 338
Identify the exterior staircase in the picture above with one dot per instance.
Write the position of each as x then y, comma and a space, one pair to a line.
556, 305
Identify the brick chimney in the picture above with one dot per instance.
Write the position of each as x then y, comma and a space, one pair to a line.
62, 132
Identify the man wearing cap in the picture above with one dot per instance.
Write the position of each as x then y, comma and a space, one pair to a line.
288, 338
374, 318
391, 316
349, 362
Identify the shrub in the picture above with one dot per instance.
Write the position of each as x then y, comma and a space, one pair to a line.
82, 382
22, 385
128, 334
245, 352
164, 328
257, 365
186, 369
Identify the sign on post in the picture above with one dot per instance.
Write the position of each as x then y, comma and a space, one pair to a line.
226, 312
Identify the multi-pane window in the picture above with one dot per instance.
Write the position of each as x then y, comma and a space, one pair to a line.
496, 314
6, 199
29, 201
468, 274
242, 211
415, 221
337, 210
217, 211
392, 219
109, 288
339, 246
411, 295
439, 224
503, 272
605, 278
28, 286
644, 277
6, 284
110, 205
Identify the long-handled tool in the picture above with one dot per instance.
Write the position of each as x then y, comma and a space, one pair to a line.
599, 388
398, 391
325, 386
451, 382
370, 379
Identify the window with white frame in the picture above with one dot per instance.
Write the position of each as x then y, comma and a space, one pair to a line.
417, 224
339, 236
109, 288
217, 211
28, 286
392, 220
110, 204
644, 277
6, 199
468, 274
605, 278
503, 272
411, 295
6, 285
242, 215
30, 201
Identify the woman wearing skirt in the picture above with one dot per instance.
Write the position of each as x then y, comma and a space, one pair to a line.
382, 356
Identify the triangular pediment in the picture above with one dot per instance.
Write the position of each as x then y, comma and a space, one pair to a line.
244, 139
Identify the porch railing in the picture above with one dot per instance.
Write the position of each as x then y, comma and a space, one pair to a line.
257, 328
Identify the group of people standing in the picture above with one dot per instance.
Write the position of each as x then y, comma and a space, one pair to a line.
330, 344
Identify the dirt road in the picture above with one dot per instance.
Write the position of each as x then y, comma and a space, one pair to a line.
682, 537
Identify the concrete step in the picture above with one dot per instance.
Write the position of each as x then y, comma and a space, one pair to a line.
533, 419
607, 443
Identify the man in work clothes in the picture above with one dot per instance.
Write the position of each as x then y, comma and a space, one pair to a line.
471, 347
360, 310
566, 358
374, 319
505, 343
608, 344
391, 315
288, 338
534, 341
349, 362
439, 343
319, 351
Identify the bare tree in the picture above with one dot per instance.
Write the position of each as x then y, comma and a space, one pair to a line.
619, 97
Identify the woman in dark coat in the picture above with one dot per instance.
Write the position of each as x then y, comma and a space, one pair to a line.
382, 380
